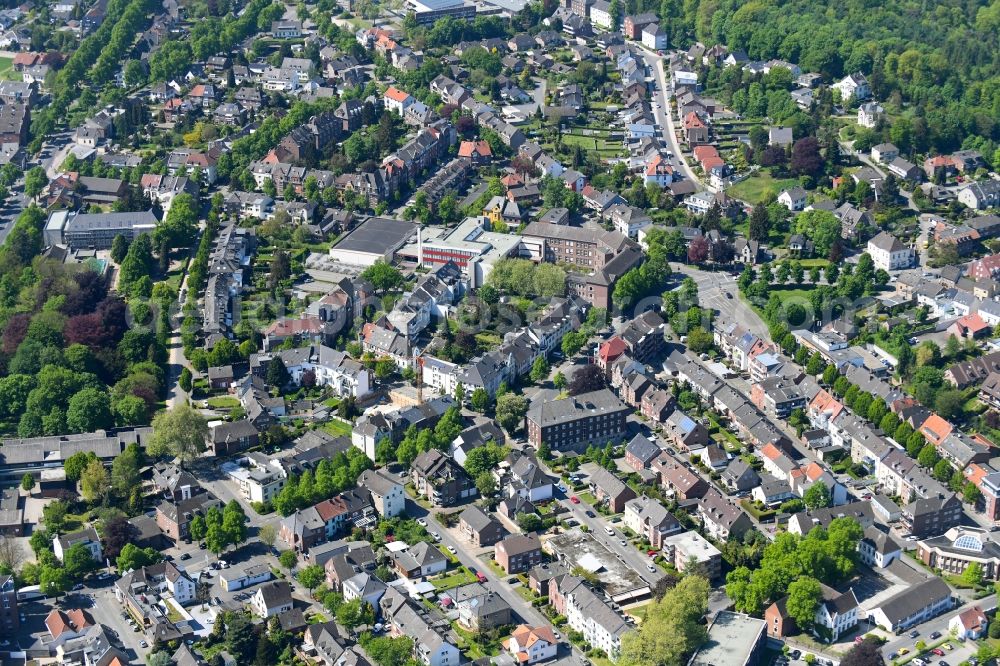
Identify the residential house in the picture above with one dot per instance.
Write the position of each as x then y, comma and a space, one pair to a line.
272, 598
518, 553
610, 490
480, 528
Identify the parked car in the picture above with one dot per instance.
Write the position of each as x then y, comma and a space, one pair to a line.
574, 499
795, 654
452, 550
421, 522
938, 651
435, 536
914, 633
591, 514
935, 635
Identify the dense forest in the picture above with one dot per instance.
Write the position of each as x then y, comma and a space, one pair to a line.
938, 63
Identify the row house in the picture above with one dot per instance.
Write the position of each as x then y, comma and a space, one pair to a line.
325, 520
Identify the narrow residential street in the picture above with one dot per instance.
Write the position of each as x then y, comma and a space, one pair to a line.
663, 115
628, 553
177, 361
467, 556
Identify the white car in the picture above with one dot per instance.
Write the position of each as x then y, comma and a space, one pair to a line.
435, 536
421, 522
609, 531
651, 568
452, 550
143, 644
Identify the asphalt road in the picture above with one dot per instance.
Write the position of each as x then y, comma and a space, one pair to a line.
663, 115
568, 655
940, 624
466, 554
628, 554
712, 289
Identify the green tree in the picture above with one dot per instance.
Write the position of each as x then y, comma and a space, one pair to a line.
132, 557
94, 483
673, 628
480, 400
486, 484
559, 381
119, 248
383, 277
510, 411
78, 562
76, 463
288, 559
54, 516
484, 458
539, 369
277, 374
817, 496
28, 482
973, 574
180, 432
89, 410
311, 576
352, 614
35, 181
53, 581
804, 596
185, 380
928, 456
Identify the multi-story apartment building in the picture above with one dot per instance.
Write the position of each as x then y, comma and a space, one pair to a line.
584, 247
9, 618
96, 230
440, 479
518, 553
576, 422
931, 515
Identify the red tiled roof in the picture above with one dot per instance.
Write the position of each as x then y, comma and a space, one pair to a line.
612, 349
396, 94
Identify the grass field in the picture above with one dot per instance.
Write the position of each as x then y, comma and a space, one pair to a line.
223, 402
754, 188
337, 428
7, 72
455, 579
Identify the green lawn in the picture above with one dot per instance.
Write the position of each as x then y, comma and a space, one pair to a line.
596, 143
809, 263
754, 188
223, 402
639, 612
7, 70
588, 498
454, 579
792, 293
337, 428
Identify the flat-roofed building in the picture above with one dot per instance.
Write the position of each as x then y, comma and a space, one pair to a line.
375, 239
734, 639
96, 230
429, 11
